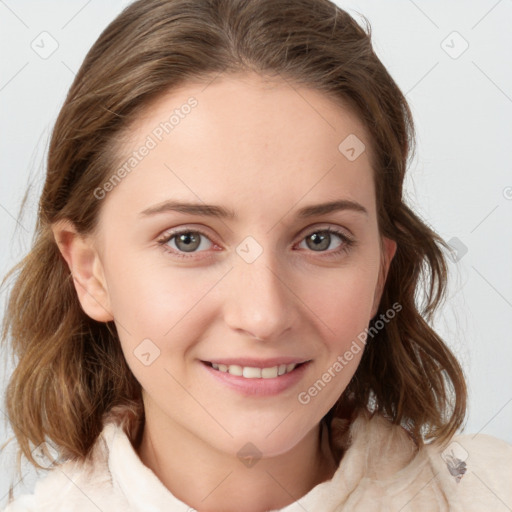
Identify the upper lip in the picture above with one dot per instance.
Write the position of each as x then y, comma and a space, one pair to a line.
257, 363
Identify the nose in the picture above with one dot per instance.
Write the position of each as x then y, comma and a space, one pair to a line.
259, 301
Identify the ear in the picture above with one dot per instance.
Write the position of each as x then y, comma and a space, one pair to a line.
86, 268
388, 250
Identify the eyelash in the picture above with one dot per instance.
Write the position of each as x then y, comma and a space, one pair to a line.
347, 242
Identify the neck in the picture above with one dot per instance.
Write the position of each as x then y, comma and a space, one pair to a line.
209, 480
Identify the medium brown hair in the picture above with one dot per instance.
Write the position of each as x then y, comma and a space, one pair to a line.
70, 369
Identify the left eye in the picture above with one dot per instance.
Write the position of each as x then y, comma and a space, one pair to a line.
186, 241
320, 240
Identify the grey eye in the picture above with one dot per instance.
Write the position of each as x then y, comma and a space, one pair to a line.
320, 240
188, 241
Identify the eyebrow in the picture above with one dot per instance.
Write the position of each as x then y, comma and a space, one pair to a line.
210, 210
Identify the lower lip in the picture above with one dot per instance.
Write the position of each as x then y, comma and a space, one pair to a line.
258, 387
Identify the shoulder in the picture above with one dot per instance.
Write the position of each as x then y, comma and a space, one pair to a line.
60, 489
24, 503
477, 468
381, 462
75, 485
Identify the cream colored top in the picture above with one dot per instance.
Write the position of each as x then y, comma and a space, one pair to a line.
381, 470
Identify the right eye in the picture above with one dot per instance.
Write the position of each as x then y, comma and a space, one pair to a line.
183, 241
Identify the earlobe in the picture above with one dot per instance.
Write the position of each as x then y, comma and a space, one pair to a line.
86, 268
387, 254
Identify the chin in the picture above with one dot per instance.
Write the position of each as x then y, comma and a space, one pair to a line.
267, 437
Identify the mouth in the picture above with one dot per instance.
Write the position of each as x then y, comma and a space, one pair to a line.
256, 372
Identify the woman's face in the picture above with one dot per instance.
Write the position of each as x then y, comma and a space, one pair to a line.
213, 248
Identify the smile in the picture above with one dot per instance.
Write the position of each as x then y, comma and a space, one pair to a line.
257, 378
250, 372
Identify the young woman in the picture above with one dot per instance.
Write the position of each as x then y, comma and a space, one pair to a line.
219, 310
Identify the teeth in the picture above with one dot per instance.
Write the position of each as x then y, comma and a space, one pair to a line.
250, 372
269, 373
234, 369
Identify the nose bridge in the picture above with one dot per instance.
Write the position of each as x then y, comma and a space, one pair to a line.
259, 300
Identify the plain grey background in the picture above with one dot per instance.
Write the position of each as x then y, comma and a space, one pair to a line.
453, 62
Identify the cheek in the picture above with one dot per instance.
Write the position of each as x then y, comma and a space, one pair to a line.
344, 307
158, 303
342, 301
155, 297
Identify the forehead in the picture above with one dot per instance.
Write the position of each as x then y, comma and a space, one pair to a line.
239, 135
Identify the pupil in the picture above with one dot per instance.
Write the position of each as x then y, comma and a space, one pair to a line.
320, 241
190, 240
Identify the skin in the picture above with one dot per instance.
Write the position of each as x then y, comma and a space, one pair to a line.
265, 150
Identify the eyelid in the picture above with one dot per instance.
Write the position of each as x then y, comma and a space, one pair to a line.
303, 232
326, 227
162, 240
169, 234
